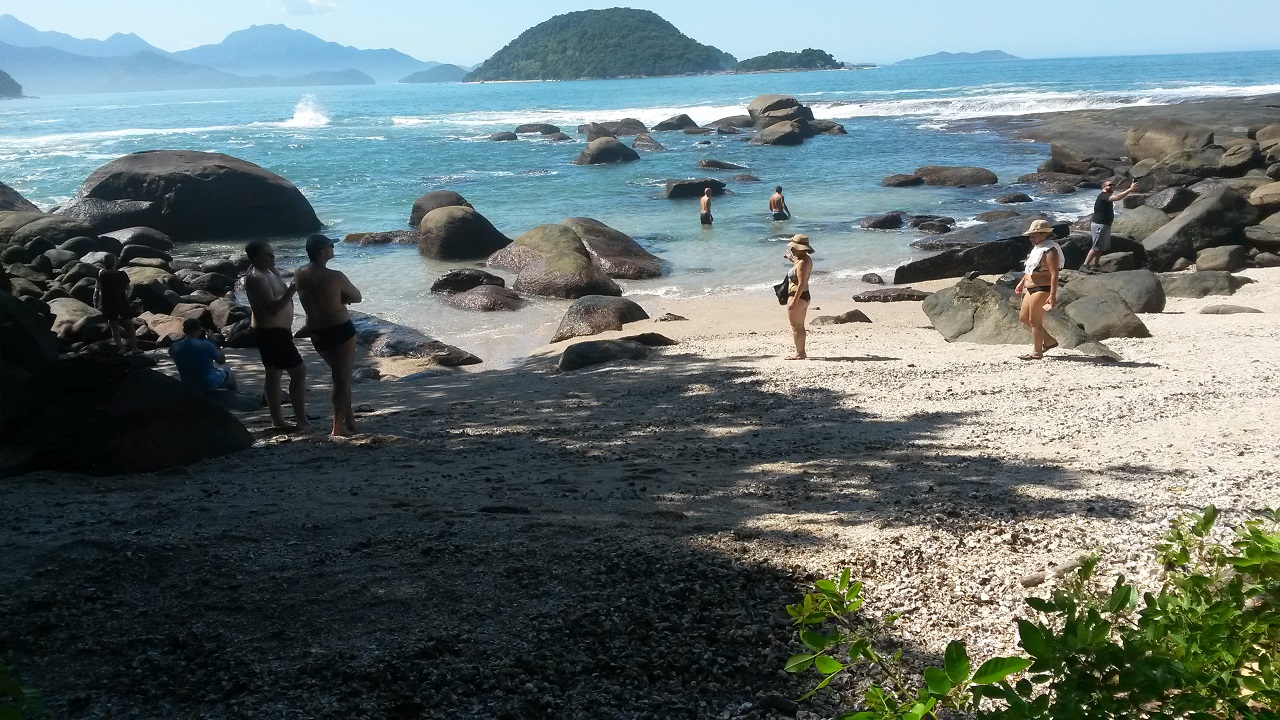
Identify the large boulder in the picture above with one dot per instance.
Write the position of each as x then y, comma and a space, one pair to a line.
12, 220
1224, 257
679, 122
75, 321
1200, 162
596, 352
27, 341
733, 122
1215, 219
104, 415
55, 229
783, 133
976, 235
613, 251
606, 150
894, 294
1171, 200
594, 314
709, 164
956, 176
1140, 222
458, 232
463, 279
388, 339
1141, 290
763, 104
486, 298
1157, 139
431, 201
993, 258
645, 141
1201, 284
204, 195
1105, 315
1266, 197
149, 237
1266, 234
107, 215
551, 261
538, 128
693, 188
12, 200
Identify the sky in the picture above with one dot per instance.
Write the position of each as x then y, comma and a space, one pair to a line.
467, 33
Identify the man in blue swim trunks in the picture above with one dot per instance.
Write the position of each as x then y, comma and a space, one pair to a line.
195, 358
325, 294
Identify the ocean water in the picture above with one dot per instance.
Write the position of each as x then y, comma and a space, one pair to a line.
363, 154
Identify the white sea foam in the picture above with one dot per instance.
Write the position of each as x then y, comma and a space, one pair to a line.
307, 114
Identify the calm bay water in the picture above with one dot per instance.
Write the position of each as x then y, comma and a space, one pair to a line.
363, 154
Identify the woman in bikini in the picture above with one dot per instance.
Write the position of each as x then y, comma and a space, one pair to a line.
1039, 287
801, 254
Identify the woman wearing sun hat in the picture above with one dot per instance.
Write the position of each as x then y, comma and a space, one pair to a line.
801, 254
1039, 286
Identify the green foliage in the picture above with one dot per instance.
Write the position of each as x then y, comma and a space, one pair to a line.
16, 701
807, 59
1202, 647
618, 42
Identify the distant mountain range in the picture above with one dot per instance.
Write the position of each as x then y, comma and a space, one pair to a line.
943, 58
53, 63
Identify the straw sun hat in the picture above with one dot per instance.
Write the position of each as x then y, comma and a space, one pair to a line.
1039, 226
800, 243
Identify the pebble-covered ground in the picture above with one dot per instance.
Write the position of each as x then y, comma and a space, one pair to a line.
620, 542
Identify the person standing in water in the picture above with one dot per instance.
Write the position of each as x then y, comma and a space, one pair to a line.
705, 218
325, 294
800, 253
778, 205
271, 301
1039, 287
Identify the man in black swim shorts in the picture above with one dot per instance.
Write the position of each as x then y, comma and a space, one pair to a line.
705, 205
325, 294
111, 297
271, 301
778, 205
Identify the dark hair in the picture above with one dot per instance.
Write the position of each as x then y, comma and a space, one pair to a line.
256, 247
778, 189
109, 261
191, 326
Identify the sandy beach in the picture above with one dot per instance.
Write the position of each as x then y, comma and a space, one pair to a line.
619, 541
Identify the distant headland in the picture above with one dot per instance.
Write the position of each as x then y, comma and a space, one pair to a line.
943, 58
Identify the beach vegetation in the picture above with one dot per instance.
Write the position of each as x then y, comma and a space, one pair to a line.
618, 42
17, 701
1201, 646
807, 59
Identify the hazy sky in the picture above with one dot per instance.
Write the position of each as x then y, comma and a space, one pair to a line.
883, 31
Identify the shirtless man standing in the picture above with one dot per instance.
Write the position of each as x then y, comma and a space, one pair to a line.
778, 205
325, 294
705, 217
272, 303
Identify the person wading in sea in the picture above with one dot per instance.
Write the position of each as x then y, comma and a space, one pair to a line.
1104, 213
705, 218
1039, 287
778, 205
325, 294
271, 301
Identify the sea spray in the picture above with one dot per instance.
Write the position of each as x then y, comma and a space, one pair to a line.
307, 114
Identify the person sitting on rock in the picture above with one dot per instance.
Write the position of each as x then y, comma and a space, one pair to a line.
111, 298
195, 358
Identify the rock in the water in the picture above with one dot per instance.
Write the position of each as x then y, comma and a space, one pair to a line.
486, 298
872, 279
504, 137
614, 251
745, 177
385, 237
431, 201
993, 215
1141, 290
902, 180
853, 316
1156, 139
1013, 197
693, 188
1201, 284
888, 221
827, 127
679, 122
538, 128
783, 133
387, 339
955, 176
458, 233
606, 150
551, 261
596, 352
1224, 257
645, 141
1139, 223
733, 122
988, 232
709, 164
56, 420
594, 314
149, 237
1227, 310
201, 195
992, 258
463, 279
1214, 219
894, 294
1105, 315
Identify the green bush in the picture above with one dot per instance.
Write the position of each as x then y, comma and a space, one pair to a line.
1203, 646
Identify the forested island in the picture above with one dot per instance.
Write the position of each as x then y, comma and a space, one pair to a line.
437, 74
943, 58
618, 42
807, 59
9, 88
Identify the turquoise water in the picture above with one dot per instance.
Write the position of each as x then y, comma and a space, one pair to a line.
363, 154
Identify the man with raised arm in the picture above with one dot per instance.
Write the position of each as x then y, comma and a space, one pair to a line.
325, 294
1100, 223
271, 301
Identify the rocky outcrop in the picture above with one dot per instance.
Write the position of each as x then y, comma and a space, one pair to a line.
12, 200
782, 133
537, 128
463, 279
692, 188
504, 137
1104, 315
486, 298
1230, 258
1215, 219
1013, 197
388, 339
1156, 139
679, 122
895, 294
385, 237
431, 201
992, 258
708, 164
594, 314
614, 251
606, 150
201, 195
978, 235
1201, 284
955, 176
597, 352
1141, 290
551, 261
645, 141
1140, 223
458, 233
852, 316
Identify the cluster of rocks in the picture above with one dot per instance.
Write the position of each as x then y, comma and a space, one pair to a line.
898, 219
776, 120
545, 130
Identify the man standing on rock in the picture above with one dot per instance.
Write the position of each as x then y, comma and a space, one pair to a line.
706, 218
325, 294
1100, 226
271, 301
111, 297
778, 205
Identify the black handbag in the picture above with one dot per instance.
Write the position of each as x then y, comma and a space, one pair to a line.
781, 290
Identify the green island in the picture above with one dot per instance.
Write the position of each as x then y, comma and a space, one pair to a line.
807, 59
618, 42
9, 88
439, 73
